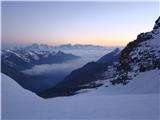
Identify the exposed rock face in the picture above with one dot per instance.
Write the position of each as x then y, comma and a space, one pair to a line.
140, 55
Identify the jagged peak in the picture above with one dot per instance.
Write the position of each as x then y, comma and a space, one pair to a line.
158, 20
157, 23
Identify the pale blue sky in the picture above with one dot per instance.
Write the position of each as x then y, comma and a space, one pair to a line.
102, 23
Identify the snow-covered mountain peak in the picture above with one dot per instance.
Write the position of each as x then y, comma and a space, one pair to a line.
39, 47
63, 47
22, 58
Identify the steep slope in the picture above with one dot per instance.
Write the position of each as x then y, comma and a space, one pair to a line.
141, 55
112, 56
10, 89
15, 98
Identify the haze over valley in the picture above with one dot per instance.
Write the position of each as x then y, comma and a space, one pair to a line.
80, 60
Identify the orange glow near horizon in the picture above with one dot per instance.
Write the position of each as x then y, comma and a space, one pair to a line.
103, 40
55, 23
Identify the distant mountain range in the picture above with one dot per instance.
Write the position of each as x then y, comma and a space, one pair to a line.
79, 47
21, 59
44, 47
14, 61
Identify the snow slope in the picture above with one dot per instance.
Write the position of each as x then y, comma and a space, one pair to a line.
18, 103
145, 83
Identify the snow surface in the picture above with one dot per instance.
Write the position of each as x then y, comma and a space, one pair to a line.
145, 83
18, 103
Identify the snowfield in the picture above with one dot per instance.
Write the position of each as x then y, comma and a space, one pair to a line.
145, 83
138, 100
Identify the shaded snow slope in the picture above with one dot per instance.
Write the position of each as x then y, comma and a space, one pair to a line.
18, 103
10, 89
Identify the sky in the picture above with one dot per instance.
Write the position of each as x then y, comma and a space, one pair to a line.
54, 23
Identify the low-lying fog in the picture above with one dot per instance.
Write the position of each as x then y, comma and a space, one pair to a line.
56, 72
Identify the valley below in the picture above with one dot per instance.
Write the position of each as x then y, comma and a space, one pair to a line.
64, 61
